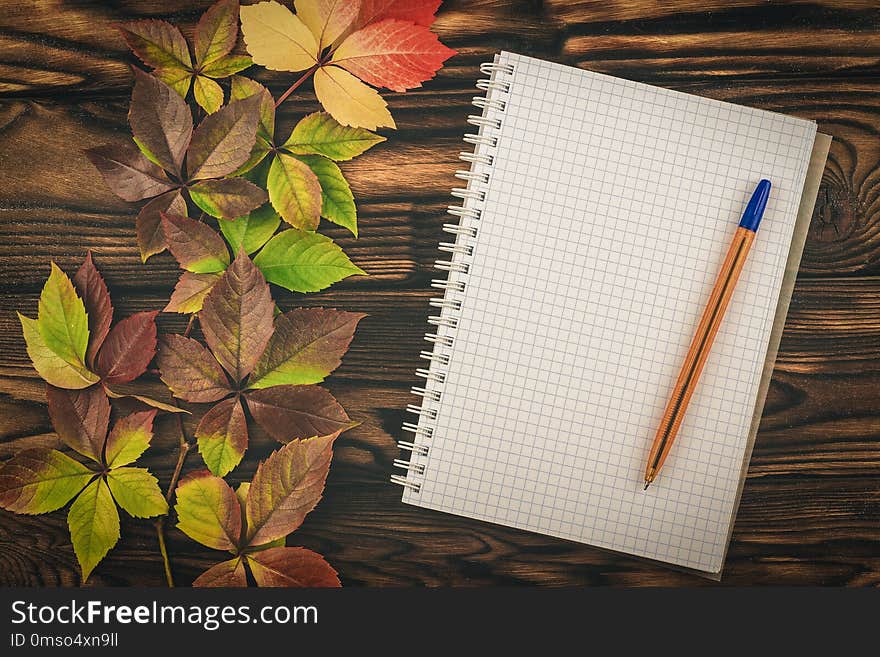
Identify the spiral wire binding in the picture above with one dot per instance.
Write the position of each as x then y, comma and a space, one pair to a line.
458, 264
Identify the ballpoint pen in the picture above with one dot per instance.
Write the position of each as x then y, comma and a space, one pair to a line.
706, 331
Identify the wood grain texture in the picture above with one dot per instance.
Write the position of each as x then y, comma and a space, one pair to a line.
811, 506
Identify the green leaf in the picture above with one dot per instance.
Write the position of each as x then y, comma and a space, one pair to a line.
175, 77
62, 319
301, 261
295, 192
251, 231
337, 201
226, 66
286, 486
40, 480
94, 525
196, 247
227, 199
216, 32
208, 94
307, 345
137, 491
208, 511
223, 436
49, 365
321, 134
129, 438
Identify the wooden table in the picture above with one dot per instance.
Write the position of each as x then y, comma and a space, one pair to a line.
810, 512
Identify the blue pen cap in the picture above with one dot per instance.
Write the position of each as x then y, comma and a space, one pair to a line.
755, 209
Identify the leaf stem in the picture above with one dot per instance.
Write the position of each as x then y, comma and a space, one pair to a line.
183, 450
305, 76
189, 327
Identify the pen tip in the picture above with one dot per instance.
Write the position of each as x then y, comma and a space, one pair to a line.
647, 483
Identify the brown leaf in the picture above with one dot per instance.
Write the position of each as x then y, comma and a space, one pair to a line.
307, 345
236, 317
227, 573
223, 141
190, 292
190, 371
194, 245
129, 348
223, 436
293, 412
128, 172
229, 198
216, 32
150, 238
92, 290
291, 566
160, 121
81, 418
286, 486
157, 44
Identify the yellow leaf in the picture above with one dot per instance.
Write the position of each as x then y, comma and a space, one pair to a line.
350, 101
327, 19
277, 39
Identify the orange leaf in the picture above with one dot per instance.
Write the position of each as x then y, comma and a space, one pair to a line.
393, 54
350, 101
420, 12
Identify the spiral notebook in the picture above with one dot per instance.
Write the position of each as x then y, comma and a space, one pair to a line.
573, 290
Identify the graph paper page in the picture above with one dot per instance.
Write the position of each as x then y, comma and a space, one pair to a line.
609, 210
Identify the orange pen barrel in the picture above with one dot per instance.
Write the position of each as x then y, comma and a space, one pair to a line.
699, 350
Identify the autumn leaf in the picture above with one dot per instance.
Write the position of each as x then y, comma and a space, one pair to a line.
128, 349
350, 101
166, 138
327, 19
94, 525
196, 247
320, 134
302, 261
137, 492
190, 371
41, 480
223, 436
286, 486
394, 54
226, 573
276, 39
190, 292
296, 412
307, 345
208, 511
129, 439
420, 12
92, 289
337, 201
292, 566
295, 192
236, 317
162, 47
80, 418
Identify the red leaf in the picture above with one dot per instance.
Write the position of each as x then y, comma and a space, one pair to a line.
286, 486
223, 436
80, 418
130, 175
291, 566
196, 247
129, 348
237, 316
293, 412
160, 121
150, 238
190, 371
227, 573
392, 54
420, 12
92, 290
